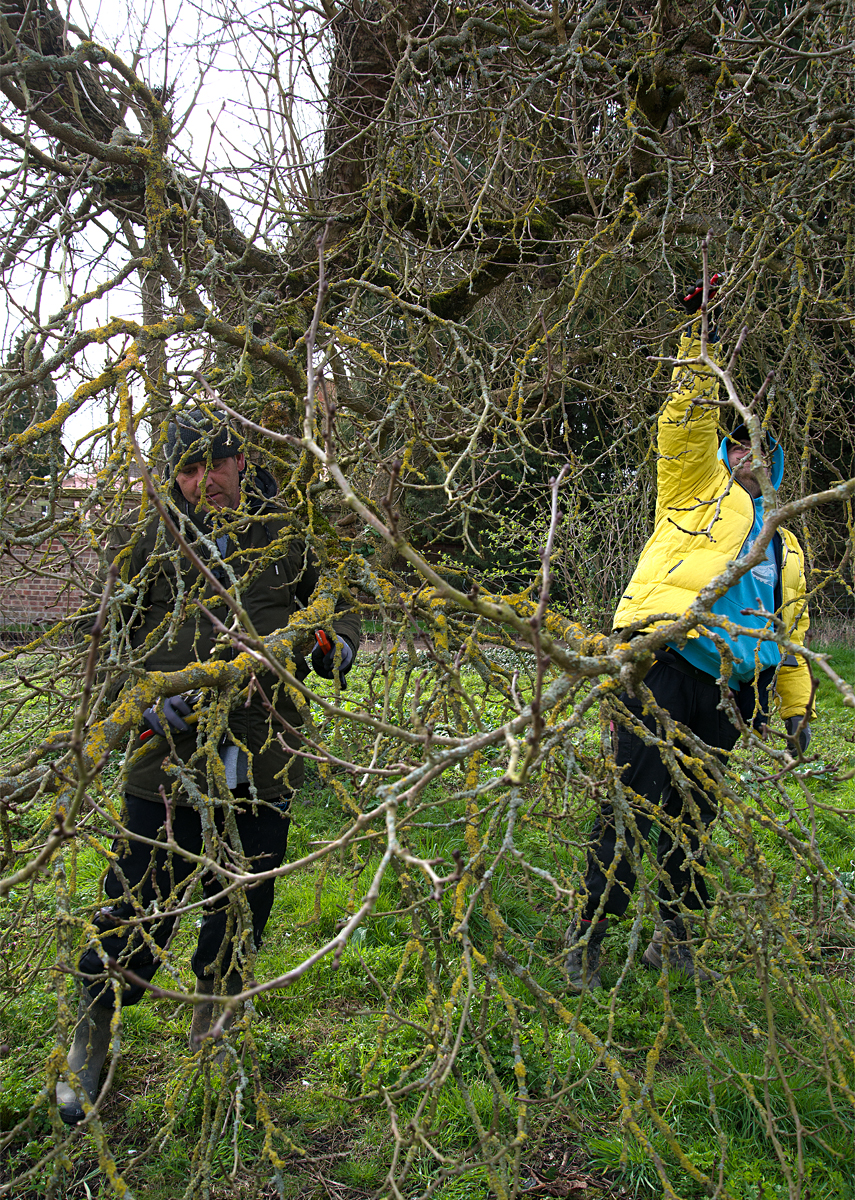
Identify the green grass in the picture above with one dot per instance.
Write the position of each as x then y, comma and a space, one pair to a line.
302, 1107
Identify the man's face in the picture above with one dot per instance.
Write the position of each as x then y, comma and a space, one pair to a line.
739, 457
221, 479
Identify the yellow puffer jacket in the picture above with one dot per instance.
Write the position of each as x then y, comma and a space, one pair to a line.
701, 525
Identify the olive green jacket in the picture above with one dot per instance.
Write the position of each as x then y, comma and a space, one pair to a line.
269, 568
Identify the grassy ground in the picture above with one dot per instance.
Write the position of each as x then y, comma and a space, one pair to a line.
315, 1071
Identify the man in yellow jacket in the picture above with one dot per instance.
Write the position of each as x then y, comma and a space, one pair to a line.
709, 512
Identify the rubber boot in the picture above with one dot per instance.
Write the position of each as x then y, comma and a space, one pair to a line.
582, 962
85, 1058
672, 947
205, 1015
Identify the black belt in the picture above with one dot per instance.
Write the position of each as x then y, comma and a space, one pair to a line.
751, 697
673, 658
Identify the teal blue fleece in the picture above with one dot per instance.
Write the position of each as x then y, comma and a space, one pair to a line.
754, 591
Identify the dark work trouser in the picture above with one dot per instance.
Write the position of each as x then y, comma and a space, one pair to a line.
693, 699
155, 876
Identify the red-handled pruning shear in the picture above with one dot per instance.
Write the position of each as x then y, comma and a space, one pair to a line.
715, 280
190, 718
327, 647
149, 733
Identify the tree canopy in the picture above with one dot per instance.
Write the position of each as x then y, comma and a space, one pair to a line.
427, 259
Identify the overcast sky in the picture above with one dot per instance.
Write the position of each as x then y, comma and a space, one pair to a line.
227, 114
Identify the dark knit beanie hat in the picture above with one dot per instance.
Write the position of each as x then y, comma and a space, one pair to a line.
193, 437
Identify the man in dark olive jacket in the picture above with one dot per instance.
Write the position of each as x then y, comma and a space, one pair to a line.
227, 785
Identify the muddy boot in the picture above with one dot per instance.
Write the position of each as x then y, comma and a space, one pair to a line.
672, 946
582, 962
85, 1059
205, 1016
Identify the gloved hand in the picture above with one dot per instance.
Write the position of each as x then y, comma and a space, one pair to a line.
694, 299
325, 653
174, 709
792, 724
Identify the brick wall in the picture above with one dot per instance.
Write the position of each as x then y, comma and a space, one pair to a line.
42, 582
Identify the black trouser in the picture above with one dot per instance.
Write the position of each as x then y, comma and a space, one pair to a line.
693, 699
155, 876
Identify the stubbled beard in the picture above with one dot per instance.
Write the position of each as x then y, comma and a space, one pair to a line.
745, 476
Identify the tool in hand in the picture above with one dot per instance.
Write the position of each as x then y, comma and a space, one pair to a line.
178, 711
323, 657
695, 298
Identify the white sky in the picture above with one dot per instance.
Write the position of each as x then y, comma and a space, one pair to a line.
227, 109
